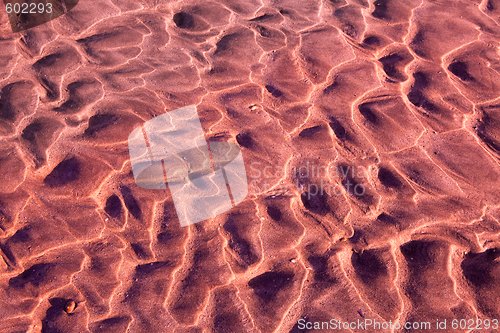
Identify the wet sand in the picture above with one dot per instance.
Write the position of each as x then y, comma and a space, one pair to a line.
406, 93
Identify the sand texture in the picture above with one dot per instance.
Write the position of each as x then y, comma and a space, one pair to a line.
397, 99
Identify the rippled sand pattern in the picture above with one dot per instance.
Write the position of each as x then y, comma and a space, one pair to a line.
408, 90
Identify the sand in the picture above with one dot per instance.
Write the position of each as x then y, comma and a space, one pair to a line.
370, 133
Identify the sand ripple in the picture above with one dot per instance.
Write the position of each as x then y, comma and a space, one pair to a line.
408, 92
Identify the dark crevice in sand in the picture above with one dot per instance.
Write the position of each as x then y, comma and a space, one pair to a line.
65, 172
477, 267
131, 202
267, 285
245, 140
113, 206
368, 266
459, 69
316, 203
184, 20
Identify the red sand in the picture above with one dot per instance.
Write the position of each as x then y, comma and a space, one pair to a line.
406, 91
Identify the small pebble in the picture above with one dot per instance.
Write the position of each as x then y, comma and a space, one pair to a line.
70, 306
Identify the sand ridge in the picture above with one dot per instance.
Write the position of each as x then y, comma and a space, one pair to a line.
397, 99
